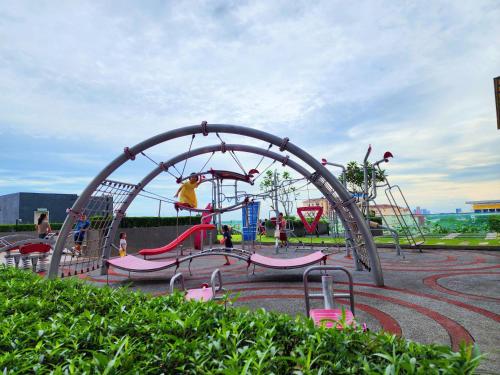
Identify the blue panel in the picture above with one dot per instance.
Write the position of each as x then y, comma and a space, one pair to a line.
250, 216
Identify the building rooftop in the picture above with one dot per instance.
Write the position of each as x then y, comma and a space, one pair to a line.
493, 201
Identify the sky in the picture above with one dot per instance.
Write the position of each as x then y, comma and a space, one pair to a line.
79, 81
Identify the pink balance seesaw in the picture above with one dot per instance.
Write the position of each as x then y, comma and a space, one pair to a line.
329, 316
203, 294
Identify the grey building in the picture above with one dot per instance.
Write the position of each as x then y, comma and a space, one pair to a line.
25, 205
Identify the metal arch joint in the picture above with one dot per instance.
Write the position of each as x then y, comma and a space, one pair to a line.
72, 213
284, 162
129, 153
284, 142
204, 128
223, 147
349, 202
119, 213
313, 177
162, 166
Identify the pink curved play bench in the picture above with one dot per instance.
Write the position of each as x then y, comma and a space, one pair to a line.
280, 263
134, 264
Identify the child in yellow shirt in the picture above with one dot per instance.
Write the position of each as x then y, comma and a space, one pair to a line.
186, 192
123, 244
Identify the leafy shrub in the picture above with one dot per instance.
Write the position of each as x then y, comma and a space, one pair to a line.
127, 222
25, 227
377, 219
298, 226
146, 221
494, 223
66, 326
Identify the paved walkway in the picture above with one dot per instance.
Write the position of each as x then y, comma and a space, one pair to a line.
438, 296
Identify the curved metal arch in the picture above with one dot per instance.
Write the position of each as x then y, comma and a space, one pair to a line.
362, 235
197, 152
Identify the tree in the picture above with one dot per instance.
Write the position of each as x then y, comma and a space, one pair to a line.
354, 176
285, 189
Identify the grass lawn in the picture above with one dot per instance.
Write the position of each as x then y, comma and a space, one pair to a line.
459, 241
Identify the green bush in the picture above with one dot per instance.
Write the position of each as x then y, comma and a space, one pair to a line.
297, 225
127, 222
25, 227
66, 326
377, 219
494, 223
147, 221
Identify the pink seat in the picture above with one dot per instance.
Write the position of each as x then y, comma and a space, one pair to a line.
327, 317
134, 264
34, 248
307, 260
200, 294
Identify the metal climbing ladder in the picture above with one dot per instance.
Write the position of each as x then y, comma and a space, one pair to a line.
407, 222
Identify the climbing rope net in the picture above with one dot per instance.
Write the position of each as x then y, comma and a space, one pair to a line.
101, 210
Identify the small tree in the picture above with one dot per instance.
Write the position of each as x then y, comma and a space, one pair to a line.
354, 176
285, 188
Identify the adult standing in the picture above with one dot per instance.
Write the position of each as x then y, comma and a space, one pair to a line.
43, 226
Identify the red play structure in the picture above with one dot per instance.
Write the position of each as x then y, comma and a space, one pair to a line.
206, 218
310, 227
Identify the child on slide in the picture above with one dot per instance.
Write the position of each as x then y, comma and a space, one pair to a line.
186, 192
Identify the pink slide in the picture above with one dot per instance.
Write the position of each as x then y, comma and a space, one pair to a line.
172, 245
206, 218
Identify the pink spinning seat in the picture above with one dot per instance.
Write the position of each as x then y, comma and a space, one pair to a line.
328, 317
200, 294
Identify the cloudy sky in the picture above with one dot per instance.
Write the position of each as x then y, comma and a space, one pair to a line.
81, 80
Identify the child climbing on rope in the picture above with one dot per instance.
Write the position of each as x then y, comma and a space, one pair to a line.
123, 244
228, 243
82, 226
186, 193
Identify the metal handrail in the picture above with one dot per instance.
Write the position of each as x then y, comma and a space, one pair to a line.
309, 296
173, 280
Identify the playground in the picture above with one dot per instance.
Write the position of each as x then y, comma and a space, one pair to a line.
339, 260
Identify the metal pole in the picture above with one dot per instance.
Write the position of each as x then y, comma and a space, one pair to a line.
327, 286
365, 187
276, 209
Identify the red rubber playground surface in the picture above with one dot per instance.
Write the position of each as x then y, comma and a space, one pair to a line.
439, 296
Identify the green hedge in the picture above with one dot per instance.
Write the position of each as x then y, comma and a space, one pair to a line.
146, 221
25, 227
127, 222
66, 326
494, 223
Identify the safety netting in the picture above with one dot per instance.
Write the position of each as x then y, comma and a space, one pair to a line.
84, 246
